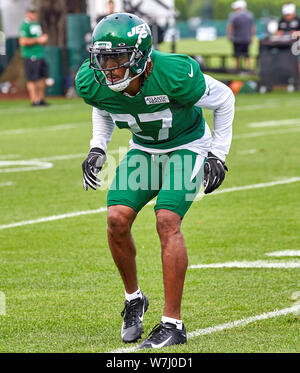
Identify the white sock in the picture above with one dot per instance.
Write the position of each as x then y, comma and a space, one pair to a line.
176, 322
136, 294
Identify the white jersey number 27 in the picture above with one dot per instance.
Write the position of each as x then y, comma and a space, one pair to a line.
165, 116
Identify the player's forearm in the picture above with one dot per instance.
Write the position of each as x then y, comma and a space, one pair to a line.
103, 127
220, 99
222, 132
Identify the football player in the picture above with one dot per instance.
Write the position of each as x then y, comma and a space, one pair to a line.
158, 97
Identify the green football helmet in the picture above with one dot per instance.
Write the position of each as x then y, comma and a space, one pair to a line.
120, 40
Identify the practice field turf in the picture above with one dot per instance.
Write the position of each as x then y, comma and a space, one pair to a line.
60, 290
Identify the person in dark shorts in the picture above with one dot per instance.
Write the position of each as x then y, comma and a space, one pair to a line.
240, 31
32, 41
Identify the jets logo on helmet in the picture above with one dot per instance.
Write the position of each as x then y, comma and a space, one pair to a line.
142, 30
121, 42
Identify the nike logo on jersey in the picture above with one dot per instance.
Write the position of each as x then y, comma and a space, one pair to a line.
191, 74
161, 344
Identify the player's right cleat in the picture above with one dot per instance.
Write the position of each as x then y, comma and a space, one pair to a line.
133, 313
163, 335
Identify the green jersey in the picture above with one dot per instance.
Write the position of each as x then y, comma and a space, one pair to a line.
162, 115
31, 30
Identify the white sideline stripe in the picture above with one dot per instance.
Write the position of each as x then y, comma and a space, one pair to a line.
8, 183
249, 151
272, 123
268, 104
228, 326
34, 165
54, 217
58, 127
21, 110
247, 187
5, 156
68, 156
246, 264
103, 209
267, 133
284, 253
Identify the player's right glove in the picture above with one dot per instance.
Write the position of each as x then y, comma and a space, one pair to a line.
214, 173
91, 167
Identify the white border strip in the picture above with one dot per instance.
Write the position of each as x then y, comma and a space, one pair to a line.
247, 187
103, 209
59, 127
264, 133
52, 218
8, 183
284, 253
272, 123
246, 264
229, 325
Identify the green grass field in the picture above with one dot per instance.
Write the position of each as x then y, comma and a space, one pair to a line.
59, 286
220, 46
192, 46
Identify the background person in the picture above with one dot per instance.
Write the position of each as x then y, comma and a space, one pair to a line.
240, 31
32, 41
289, 22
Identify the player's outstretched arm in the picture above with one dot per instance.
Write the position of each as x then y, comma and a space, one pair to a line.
220, 99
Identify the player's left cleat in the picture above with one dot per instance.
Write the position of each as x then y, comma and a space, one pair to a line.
44, 103
133, 313
163, 335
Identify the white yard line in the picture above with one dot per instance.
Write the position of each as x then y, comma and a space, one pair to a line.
54, 217
9, 156
249, 151
29, 166
273, 123
268, 104
71, 156
8, 183
284, 253
251, 186
246, 264
267, 133
103, 209
21, 110
59, 127
227, 326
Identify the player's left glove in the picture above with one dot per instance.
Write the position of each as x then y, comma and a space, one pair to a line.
91, 167
214, 173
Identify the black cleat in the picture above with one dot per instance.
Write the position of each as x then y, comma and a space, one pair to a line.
163, 335
44, 103
133, 313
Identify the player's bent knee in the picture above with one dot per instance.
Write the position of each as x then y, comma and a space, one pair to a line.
167, 223
119, 219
